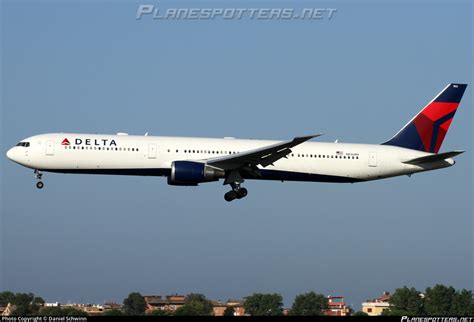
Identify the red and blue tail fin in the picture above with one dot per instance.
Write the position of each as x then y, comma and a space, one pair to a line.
426, 131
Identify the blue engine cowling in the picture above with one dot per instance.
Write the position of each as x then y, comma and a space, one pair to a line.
189, 173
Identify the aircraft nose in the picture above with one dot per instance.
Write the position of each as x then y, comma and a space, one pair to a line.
11, 154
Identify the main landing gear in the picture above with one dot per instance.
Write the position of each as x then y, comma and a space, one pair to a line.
38, 176
237, 192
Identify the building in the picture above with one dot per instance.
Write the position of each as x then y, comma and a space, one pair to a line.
8, 310
169, 303
219, 307
377, 306
337, 307
90, 309
108, 306
238, 306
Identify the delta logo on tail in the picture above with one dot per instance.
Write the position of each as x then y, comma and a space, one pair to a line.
65, 142
426, 131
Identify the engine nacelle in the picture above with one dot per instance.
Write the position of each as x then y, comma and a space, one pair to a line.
189, 173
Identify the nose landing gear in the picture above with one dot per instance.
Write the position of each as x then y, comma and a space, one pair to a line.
237, 192
38, 176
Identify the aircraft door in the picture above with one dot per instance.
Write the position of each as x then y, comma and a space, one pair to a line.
151, 151
49, 148
372, 159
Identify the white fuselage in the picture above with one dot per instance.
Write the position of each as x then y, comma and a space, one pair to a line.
153, 155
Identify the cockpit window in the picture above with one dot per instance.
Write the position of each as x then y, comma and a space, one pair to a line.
24, 144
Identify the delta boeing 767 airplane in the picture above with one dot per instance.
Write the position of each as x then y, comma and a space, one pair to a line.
190, 161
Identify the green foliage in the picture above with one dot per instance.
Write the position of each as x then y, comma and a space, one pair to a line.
158, 312
406, 301
395, 312
439, 299
134, 304
445, 300
463, 304
113, 312
360, 313
6, 297
59, 311
309, 304
259, 304
196, 305
26, 304
229, 311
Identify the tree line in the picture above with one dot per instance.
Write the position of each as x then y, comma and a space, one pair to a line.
258, 304
439, 300
195, 305
28, 304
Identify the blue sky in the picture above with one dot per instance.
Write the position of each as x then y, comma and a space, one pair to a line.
84, 66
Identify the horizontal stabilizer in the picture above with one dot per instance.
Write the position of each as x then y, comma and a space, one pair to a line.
434, 157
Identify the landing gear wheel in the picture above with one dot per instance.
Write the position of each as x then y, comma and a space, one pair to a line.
242, 193
231, 195
39, 185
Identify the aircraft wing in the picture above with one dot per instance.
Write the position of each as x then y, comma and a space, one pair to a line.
434, 157
263, 156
